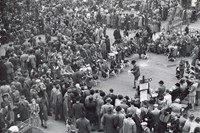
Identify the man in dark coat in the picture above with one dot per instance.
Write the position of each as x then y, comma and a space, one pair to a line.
78, 109
117, 34
110, 121
83, 124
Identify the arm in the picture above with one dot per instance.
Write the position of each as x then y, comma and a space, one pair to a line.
134, 129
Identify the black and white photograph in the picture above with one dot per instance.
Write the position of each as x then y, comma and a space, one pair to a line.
99, 66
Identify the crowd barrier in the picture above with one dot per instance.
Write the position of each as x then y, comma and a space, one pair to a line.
26, 127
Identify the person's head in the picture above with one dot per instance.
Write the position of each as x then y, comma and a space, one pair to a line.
197, 130
120, 97
102, 94
118, 108
197, 120
144, 125
57, 86
133, 62
191, 117
83, 115
108, 100
111, 90
177, 85
90, 99
132, 102
33, 101
91, 92
167, 91
185, 115
161, 83
5, 97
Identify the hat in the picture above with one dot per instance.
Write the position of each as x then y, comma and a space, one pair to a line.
5, 95
13, 129
191, 116
161, 82
177, 100
144, 123
155, 105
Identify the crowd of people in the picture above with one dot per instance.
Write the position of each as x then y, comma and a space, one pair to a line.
54, 73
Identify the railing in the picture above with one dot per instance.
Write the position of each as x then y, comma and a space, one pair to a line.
26, 127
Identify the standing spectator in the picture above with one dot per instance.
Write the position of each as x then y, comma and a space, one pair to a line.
34, 114
105, 107
91, 112
153, 120
192, 94
129, 125
31, 61
132, 109
109, 121
195, 54
3, 73
43, 114
186, 127
58, 103
17, 84
78, 109
9, 70
165, 118
112, 96
117, 35
100, 103
6, 108
168, 98
83, 124
120, 116
161, 89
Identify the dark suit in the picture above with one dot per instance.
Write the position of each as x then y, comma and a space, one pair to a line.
83, 125
78, 109
110, 123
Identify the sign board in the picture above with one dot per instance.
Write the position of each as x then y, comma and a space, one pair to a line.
144, 86
143, 95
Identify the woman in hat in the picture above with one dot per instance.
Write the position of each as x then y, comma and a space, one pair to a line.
34, 115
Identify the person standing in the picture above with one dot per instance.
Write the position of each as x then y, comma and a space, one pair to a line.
161, 89
9, 70
129, 125
78, 109
34, 113
136, 72
43, 114
109, 121
83, 124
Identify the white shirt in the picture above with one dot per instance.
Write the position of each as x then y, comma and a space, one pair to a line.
168, 99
